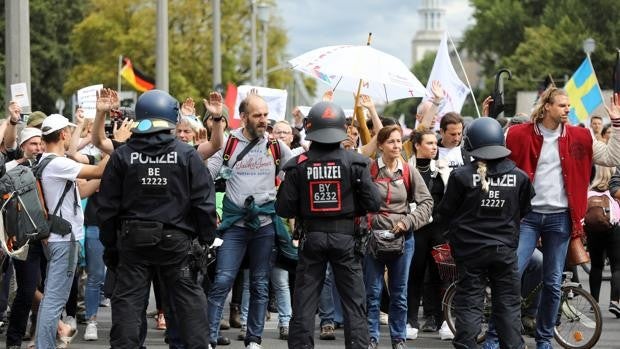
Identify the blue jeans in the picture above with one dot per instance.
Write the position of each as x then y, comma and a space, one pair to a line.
95, 270
245, 298
260, 245
61, 265
398, 275
554, 229
279, 280
330, 306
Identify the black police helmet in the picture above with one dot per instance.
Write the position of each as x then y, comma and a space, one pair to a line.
326, 123
484, 139
156, 111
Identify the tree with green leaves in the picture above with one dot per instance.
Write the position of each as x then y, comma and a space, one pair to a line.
127, 27
50, 55
535, 39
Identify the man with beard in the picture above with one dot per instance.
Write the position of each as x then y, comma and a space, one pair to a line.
248, 216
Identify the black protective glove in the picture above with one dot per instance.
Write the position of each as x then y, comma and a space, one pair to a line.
110, 257
206, 240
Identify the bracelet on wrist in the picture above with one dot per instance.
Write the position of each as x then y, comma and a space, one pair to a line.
13, 122
218, 118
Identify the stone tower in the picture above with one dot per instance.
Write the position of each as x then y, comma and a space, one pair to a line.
430, 29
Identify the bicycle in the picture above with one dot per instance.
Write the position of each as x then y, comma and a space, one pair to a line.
579, 323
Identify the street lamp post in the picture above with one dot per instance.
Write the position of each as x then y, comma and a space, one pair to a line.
263, 17
588, 46
217, 40
253, 43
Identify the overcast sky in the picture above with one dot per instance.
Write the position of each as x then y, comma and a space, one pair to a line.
393, 23
312, 24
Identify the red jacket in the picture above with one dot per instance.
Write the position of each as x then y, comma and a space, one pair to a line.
575, 147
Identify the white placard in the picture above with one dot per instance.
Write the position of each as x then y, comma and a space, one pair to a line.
19, 94
87, 100
276, 100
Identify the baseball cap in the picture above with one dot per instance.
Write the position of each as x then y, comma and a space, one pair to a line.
54, 123
27, 133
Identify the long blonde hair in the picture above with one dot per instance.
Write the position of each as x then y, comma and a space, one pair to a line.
601, 178
482, 172
548, 96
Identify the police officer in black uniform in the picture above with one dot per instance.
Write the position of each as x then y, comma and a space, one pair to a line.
483, 204
325, 189
156, 195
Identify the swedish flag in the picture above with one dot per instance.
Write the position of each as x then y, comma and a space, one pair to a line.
584, 93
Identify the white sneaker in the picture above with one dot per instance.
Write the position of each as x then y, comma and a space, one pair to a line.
412, 333
90, 334
253, 345
383, 318
445, 333
70, 320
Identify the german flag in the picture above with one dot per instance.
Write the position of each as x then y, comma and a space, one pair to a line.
136, 78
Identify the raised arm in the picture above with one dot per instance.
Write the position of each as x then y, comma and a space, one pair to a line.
10, 133
609, 154
214, 107
75, 138
107, 99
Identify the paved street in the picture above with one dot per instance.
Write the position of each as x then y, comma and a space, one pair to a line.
609, 339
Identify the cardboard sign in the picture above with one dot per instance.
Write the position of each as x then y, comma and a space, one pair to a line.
276, 100
87, 100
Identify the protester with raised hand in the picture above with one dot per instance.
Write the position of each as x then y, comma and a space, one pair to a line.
107, 100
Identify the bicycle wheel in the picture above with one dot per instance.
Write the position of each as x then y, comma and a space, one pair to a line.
450, 316
580, 322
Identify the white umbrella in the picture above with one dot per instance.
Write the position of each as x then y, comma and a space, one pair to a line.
384, 76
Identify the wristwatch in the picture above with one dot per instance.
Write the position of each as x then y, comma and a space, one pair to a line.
216, 119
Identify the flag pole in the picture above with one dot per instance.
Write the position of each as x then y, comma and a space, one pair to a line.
359, 111
120, 66
471, 90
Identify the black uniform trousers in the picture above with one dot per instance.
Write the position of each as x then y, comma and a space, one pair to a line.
337, 249
498, 265
137, 266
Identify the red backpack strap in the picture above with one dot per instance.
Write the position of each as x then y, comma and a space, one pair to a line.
229, 149
407, 180
374, 170
274, 147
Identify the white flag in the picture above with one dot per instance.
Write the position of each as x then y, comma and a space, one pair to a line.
455, 91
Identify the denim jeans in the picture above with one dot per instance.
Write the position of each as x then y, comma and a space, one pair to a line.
279, 280
95, 270
245, 297
229, 257
398, 275
61, 265
330, 306
554, 229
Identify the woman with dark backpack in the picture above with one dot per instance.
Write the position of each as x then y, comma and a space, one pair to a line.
391, 242
603, 233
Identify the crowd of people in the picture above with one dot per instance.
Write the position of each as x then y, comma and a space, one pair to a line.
302, 218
